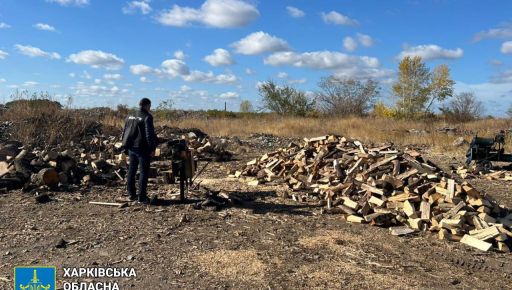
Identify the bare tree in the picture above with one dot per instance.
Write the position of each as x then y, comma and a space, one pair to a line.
464, 107
346, 97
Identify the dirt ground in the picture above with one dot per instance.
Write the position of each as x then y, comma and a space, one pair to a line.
261, 241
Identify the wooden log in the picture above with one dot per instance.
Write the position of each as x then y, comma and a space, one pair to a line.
476, 243
48, 177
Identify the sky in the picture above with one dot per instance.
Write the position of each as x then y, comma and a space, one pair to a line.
204, 53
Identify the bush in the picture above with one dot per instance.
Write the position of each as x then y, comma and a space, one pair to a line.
38, 120
285, 100
464, 107
246, 106
346, 97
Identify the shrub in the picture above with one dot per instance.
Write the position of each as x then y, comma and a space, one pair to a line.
285, 100
346, 97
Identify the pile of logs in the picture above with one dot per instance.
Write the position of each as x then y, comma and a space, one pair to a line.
466, 173
385, 187
97, 160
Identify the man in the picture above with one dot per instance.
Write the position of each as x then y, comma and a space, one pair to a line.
140, 140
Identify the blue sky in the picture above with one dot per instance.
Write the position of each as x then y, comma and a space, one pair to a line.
202, 53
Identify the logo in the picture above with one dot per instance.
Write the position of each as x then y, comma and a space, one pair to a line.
34, 278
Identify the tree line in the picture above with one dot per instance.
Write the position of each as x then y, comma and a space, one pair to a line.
416, 91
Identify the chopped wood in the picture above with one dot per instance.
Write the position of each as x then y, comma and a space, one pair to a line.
476, 243
384, 186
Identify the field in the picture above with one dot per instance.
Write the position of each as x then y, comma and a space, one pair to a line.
264, 240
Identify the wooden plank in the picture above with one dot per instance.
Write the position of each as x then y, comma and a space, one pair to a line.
425, 210
380, 163
401, 231
108, 203
409, 209
476, 243
355, 219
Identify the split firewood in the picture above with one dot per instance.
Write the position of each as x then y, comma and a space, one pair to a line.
384, 186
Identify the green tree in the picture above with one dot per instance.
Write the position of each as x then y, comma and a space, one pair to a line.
246, 106
285, 100
346, 97
417, 88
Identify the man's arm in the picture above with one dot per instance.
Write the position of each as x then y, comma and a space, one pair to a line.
150, 133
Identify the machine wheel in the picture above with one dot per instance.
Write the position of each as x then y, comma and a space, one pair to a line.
484, 166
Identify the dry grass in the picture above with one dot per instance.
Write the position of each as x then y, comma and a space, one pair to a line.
242, 265
365, 129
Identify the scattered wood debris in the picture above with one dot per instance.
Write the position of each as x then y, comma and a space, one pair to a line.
387, 187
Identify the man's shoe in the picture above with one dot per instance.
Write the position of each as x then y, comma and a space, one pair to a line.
133, 197
143, 200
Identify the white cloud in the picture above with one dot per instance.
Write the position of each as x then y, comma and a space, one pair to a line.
298, 81
210, 77
134, 6
502, 31
502, 77
3, 54
295, 12
175, 67
97, 81
30, 84
229, 95
82, 89
4, 25
319, 60
179, 54
214, 13
172, 68
35, 52
144, 80
44, 26
72, 75
141, 69
70, 2
365, 40
2, 80
219, 57
249, 71
97, 59
282, 75
334, 17
506, 47
112, 77
260, 42
340, 64
349, 43
86, 75
431, 51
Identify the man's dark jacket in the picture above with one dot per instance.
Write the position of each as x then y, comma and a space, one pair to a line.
139, 132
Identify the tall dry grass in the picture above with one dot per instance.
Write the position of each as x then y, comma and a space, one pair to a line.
415, 133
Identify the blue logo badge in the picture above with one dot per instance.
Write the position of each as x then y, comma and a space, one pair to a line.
34, 278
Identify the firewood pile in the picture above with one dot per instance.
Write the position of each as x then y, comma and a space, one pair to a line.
97, 159
470, 173
385, 187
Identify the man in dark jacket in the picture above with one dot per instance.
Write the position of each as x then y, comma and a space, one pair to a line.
140, 140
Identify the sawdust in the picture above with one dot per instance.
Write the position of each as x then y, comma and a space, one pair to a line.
232, 265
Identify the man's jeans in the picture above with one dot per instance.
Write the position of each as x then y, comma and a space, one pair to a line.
140, 159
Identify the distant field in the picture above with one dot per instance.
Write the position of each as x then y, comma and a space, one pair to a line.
401, 132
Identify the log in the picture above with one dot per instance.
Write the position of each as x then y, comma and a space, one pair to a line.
48, 177
476, 243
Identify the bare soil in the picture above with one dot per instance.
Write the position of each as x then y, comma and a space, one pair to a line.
261, 241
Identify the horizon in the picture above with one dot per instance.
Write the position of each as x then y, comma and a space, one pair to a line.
203, 53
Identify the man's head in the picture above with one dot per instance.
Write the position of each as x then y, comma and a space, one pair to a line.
145, 104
